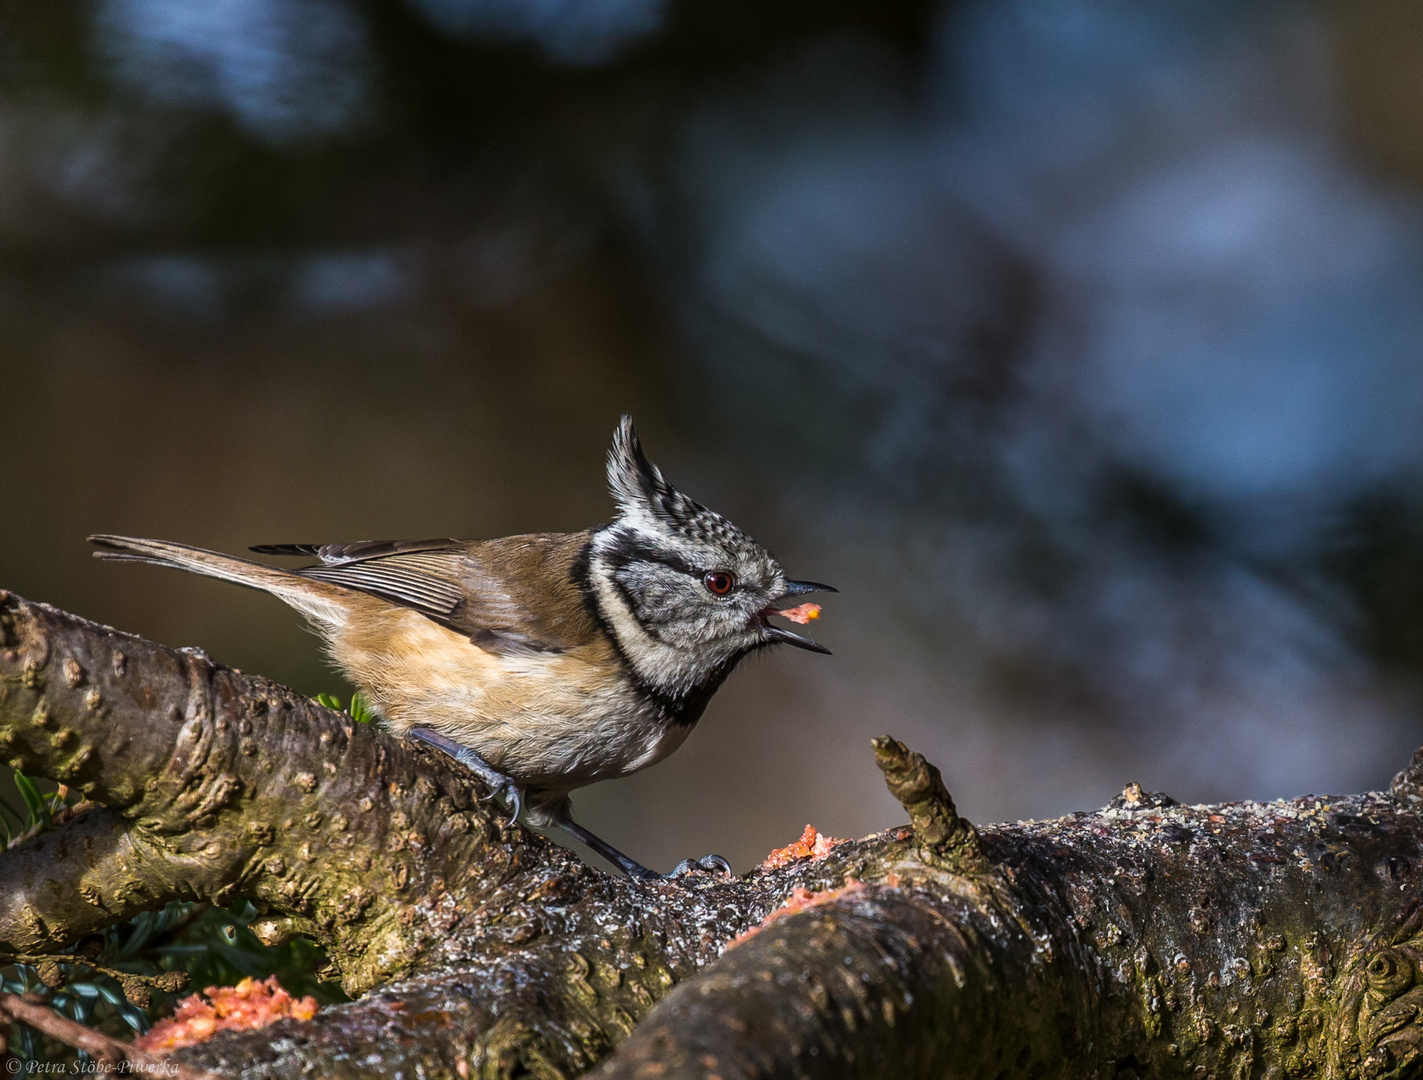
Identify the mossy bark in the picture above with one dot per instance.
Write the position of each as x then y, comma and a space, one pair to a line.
1240, 940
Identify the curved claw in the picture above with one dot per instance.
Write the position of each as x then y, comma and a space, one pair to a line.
709, 864
500, 786
513, 802
634, 869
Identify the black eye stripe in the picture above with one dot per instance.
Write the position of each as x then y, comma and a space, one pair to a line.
627, 548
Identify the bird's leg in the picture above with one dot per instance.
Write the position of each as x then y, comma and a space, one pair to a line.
631, 867
503, 787
498, 784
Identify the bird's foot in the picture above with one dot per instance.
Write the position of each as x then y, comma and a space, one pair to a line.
634, 869
708, 864
500, 786
507, 792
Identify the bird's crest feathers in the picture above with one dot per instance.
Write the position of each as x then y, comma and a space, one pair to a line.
647, 500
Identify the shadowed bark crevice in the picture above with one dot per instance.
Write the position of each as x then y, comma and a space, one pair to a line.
850, 988
1240, 940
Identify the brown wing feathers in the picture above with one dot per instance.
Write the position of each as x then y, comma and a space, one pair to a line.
508, 595
513, 594
427, 581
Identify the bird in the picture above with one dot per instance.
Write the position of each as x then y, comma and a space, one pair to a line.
542, 662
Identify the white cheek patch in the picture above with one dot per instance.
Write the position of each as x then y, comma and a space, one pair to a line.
674, 638
659, 664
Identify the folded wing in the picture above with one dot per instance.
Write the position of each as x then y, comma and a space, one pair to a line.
458, 584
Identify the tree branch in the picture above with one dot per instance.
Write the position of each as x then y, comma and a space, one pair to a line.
1241, 940
218, 786
108, 1051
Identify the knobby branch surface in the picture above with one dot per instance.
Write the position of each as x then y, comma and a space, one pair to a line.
1235, 941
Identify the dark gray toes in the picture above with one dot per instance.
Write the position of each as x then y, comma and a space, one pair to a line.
715, 864
508, 791
707, 864
500, 786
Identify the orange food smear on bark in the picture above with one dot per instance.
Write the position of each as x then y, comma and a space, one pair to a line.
252, 1003
811, 845
799, 899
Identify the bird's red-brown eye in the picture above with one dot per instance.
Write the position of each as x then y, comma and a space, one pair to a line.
720, 582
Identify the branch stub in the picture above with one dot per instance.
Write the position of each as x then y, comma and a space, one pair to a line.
919, 787
1408, 784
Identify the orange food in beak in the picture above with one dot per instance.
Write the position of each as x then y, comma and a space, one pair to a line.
801, 613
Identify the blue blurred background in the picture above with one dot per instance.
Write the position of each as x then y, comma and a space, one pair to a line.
1079, 342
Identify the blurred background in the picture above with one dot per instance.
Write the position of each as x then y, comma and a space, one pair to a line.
1080, 343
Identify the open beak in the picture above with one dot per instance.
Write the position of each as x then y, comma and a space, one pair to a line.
799, 588
789, 637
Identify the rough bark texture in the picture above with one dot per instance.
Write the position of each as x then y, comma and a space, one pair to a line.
1240, 940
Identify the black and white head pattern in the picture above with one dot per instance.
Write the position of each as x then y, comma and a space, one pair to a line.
681, 586
648, 502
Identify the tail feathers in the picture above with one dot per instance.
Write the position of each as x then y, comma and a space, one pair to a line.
309, 550
317, 600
